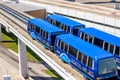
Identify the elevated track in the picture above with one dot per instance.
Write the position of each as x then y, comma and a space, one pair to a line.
18, 27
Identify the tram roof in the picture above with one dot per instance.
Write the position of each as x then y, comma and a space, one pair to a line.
84, 47
102, 35
66, 21
45, 25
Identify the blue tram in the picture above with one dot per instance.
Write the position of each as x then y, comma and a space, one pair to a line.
103, 40
93, 62
64, 23
44, 32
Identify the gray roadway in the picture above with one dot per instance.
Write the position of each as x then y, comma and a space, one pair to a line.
9, 66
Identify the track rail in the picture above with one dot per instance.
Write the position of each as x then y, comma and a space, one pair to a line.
14, 13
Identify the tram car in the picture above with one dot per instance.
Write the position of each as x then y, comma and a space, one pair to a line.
103, 40
68, 25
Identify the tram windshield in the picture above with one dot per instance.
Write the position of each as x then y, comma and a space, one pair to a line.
106, 66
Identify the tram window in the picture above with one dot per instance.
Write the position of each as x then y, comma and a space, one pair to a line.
34, 27
65, 28
37, 29
90, 39
106, 46
66, 47
50, 20
82, 35
68, 29
29, 25
46, 35
75, 30
60, 26
111, 49
86, 37
41, 32
57, 24
90, 62
62, 45
58, 42
98, 42
72, 51
84, 59
117, 50
54, 22
80, 56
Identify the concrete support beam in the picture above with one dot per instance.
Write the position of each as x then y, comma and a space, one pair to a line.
0, 33
22, 59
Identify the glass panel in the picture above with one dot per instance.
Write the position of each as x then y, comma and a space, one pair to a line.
90, 62
66, 47
117, 51
84, 59
68, 29
34, 27
57, 24
105, 66
80, 56
37, 29
41, 32
62, 45
111, 48
46, 35
86, 37
82, 35
72, 51
98, 42
90, 39
106, 46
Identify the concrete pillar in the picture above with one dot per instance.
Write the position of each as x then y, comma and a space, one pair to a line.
0, 33
22, 59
